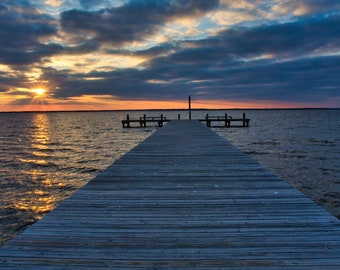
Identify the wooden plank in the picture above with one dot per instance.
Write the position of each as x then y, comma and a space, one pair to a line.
183, 198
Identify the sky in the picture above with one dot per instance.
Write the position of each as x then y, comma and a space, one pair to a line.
150, 54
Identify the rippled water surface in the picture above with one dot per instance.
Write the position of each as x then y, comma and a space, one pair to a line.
45, 157
300, 146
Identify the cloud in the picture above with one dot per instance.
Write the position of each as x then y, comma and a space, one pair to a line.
287, 61
94, 4
22, 27
54, 3
134, 21
298, 80
294, 39
306, 7
7, 82
127, 51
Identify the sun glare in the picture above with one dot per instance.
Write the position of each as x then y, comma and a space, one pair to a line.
39, 92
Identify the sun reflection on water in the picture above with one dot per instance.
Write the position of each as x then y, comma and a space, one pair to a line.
40, 198
40, 207
41, 129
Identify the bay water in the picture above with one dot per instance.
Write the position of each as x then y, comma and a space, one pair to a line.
45, 157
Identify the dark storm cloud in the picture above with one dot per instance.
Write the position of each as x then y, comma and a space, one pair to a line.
20, 32
132, 22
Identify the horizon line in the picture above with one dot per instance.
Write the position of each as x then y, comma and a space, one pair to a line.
178, 109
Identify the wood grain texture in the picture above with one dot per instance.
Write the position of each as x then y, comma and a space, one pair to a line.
183, 198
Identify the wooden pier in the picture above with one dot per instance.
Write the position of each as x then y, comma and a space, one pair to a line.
183, 198
228, 121
142, 121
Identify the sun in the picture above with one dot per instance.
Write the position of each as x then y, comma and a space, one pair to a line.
39, 92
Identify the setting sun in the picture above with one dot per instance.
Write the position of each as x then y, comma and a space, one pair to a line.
39, 91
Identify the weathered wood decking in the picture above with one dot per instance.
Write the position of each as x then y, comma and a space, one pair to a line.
183, 198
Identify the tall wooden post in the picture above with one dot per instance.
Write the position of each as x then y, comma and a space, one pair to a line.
128, 120
189, 100
144, 122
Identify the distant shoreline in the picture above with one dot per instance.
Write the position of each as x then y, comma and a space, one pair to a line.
196, 109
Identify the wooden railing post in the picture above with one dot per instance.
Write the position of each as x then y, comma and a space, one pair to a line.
144, 116
128, 120
207, 120
160, 122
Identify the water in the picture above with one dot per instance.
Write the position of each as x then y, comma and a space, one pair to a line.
300, 146
45, 157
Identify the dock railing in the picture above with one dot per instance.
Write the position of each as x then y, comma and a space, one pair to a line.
227, 120
143, 120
